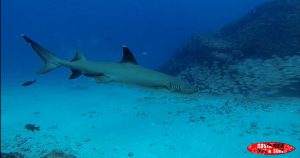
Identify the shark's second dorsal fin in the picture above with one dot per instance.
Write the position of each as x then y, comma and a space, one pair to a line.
128, 56
78, 56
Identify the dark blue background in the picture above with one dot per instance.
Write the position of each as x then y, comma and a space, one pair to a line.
153, 29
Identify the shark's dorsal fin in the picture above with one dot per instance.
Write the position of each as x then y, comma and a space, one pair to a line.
78, 56
128, 56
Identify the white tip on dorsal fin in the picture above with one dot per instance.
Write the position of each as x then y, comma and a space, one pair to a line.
127, 56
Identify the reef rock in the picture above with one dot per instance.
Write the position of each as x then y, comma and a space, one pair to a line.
58, 154
269, 29
11, 155
259, 52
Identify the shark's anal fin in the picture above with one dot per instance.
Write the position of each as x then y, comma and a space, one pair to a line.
74, 74
128, 56
103, 79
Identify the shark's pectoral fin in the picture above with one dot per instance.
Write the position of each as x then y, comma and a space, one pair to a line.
75, 74
103, 79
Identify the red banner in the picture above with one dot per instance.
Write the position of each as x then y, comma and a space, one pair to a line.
270, 148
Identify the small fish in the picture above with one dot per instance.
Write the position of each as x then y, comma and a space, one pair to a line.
28, 83
32, 127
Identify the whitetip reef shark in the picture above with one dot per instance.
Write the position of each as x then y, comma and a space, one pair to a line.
127, 71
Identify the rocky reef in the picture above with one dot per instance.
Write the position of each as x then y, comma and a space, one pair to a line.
58, 154
258, 54
11, 155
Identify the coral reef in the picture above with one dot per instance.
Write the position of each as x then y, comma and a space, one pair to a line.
248, 77
259, 52
272, 28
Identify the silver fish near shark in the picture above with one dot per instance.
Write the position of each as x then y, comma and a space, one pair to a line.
127, 71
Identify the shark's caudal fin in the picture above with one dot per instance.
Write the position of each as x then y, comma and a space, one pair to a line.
51, 61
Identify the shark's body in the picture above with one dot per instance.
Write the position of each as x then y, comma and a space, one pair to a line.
127, 71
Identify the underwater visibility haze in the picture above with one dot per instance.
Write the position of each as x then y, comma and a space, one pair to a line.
149, 79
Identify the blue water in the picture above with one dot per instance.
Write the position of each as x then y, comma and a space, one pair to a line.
108, 120
100, 28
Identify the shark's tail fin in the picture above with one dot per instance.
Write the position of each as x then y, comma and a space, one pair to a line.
50, 60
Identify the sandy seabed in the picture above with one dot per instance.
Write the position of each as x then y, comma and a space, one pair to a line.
113, 121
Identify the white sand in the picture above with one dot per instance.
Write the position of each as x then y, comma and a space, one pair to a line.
90, 121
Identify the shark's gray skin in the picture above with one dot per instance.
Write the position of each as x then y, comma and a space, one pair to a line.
127, 71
